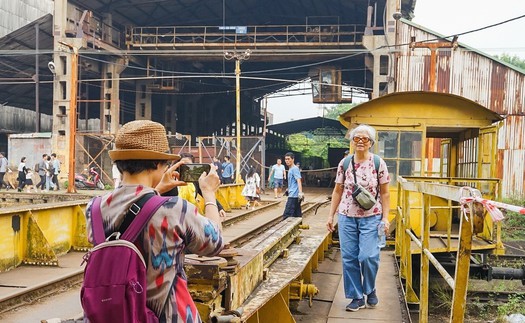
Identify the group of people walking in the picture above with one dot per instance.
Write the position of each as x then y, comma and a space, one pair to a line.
47, 169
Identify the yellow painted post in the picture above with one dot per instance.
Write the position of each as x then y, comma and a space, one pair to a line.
399, 219
449, 225
459, 298
411, 295
425, 238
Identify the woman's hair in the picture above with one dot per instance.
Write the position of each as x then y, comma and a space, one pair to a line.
187, 155
364, 128
251, 172
22, 159
137, 166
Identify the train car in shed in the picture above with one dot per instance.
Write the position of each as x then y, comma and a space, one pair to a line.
432, 137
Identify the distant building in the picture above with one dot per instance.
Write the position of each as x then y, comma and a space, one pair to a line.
15, 14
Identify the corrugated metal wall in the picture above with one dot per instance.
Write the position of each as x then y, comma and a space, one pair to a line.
18, 13
19, 120
469, 73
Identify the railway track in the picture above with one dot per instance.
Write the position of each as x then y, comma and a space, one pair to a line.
241, 228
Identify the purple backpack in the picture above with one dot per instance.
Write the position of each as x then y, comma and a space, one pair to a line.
114, 287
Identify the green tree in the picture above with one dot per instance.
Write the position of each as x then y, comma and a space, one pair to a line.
513, 60
336, 110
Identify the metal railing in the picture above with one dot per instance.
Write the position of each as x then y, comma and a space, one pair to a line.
249, 36
470, 214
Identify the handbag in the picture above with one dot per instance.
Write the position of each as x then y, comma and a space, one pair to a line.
361, 195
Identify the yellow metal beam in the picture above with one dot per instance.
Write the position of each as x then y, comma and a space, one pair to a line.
459, 298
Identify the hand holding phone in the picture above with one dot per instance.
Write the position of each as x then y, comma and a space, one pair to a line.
192, 172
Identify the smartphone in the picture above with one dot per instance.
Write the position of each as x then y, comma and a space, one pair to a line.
192, 172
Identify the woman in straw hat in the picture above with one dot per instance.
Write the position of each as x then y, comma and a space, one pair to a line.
142, 156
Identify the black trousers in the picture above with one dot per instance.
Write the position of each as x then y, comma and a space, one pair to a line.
21, 180
2, 183
55, 180
42, 183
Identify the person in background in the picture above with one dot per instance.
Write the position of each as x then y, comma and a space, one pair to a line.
227, 171
56, 170
191, 191
41, 169
176, 227
252, 188
295, 188
116, 175
218, 166
29, 180
3, 169
358, 228
50, 172
22, 174
278, 173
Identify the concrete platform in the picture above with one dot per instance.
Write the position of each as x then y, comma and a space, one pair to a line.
389, 308
28, 278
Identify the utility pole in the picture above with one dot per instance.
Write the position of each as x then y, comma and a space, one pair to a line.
72, 117
239, 57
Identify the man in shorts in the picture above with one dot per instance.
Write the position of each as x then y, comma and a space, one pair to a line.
279, 175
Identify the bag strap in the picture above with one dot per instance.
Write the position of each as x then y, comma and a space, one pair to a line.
133, 211
376, 166
96, 222
142, 210
144, 215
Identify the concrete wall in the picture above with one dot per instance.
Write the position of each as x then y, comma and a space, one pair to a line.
18, 13
29, 145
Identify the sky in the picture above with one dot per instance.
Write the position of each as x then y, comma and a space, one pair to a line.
446, 17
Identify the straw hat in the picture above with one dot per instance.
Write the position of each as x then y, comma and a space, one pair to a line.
142, 140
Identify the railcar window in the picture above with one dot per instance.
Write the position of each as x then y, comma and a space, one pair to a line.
388, 144
409, 167
410, 145
401, 151
445, 147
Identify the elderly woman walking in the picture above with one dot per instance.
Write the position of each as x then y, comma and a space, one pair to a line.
358, 222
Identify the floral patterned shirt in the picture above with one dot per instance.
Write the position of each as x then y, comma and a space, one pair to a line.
175, 227
366, 177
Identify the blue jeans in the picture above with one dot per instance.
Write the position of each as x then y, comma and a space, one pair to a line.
359, 253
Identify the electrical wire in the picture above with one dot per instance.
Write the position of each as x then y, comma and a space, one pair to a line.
459, 34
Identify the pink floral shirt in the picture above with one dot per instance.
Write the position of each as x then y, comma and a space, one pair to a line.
366, 177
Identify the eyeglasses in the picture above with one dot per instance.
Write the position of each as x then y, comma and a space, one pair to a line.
363, 139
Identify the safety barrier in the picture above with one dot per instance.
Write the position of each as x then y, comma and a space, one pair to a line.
39, 233
472, 227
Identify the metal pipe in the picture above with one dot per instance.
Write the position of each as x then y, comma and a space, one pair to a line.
238, 119
433, 260
235, 316
37, 78
508, 273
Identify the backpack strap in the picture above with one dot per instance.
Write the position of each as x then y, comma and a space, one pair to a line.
133, 210
143, 216
346, 163
96, 222
142, 210
376, 165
